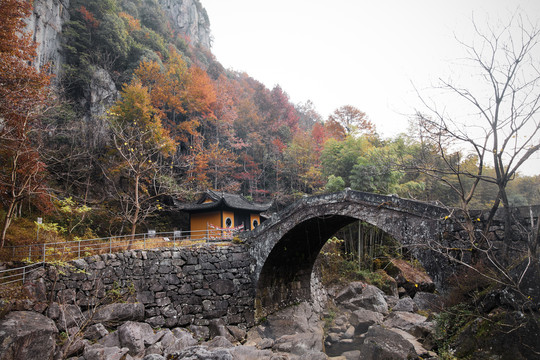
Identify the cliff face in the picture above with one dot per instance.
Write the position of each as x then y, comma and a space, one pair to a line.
188, 17
46, 24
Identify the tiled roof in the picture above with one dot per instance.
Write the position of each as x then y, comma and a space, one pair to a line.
219, 199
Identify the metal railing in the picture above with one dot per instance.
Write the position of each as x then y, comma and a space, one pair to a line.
36, 255
19, 274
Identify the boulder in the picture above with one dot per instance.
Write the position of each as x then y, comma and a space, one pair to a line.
27, 335
349, 355
53, 311
168, 339
391, 301
69, 316
420, 350
200, 353
332, 338
265, 343
424, 330
289, 321
156, 349
237, 333
405, 304
99, 352
217, 328
74, 347
300, 344
403, 320
313, 355
381, 343
371, 298
110, 340
219, 342
352, 290
135, 336
153, 357
117, 314
411, 278
200, 332
341, 320
95, 332
349, 333
250, 352
362, 319
182, 340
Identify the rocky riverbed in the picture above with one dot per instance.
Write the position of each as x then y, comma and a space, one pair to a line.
360, 322
365, 323
352, 321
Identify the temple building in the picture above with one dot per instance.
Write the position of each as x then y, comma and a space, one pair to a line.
216, 212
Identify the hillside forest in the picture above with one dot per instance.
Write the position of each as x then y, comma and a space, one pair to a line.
182, 123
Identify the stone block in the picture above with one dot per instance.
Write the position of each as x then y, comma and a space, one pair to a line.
184, 320
145, 297
115, 314
156, 321
222, 287
163, 301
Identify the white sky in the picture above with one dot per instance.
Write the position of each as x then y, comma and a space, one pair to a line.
366, 53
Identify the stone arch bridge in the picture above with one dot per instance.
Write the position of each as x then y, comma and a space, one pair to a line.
200, 285
286, 246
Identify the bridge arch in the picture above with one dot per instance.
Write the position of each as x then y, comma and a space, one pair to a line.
286, 246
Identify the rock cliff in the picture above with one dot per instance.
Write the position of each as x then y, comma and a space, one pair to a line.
47, 21
46, 24
188, 17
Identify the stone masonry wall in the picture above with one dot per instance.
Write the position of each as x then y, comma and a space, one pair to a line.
178, 287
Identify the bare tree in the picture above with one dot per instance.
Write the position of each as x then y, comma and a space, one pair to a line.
503, 129
499, 133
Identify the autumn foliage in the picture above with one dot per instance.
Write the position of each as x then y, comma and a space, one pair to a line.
140, 145
183, 124
23, 92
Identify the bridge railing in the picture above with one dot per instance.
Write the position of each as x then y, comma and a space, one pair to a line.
36, 255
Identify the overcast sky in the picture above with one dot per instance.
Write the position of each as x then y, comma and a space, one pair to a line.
358, 52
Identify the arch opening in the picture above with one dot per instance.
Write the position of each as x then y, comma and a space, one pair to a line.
285, 277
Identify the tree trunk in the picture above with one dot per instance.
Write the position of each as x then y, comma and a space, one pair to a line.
7, 220
135, 217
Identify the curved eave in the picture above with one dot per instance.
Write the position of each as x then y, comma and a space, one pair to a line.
222, 204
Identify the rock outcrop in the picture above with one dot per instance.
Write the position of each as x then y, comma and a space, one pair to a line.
46, 24
98, 98
188, 17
